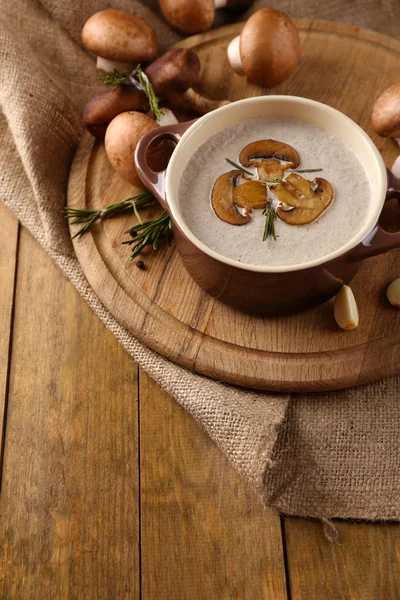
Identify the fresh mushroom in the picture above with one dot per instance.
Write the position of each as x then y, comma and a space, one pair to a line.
385, 115
266, 154
307, 199
268, 48
173, 76
120, 40
222, 199
122, 136
194, 16
108, 102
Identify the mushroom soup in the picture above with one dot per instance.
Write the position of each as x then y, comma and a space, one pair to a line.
314, 213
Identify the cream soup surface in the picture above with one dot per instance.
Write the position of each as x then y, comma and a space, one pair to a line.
294, 245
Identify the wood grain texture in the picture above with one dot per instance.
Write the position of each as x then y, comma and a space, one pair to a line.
8, 264
364, 566
204, 535
164, 308
69, 506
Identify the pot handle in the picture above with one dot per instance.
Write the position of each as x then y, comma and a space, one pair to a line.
378, 240
153, 180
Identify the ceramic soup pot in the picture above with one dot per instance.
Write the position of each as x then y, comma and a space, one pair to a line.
263, 289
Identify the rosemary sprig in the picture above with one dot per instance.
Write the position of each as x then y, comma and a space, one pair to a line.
140, 80
148, 233
304, 170
144, 82
270, 215
89, 216
238, 166
115, 78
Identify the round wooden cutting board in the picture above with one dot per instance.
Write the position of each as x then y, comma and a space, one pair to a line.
342, 66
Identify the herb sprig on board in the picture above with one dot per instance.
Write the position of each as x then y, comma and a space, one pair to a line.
87, 217
149, 233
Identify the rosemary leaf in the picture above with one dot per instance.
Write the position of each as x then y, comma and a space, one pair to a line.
238, 166
87, 217
148, 233
270, 215
304, 170
146, 86
115, 78
274, 181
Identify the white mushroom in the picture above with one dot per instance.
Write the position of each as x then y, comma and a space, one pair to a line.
119, 40
268, 48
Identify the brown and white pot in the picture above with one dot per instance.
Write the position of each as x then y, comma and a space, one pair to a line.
263, 289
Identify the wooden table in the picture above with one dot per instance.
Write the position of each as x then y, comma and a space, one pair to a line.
110, 490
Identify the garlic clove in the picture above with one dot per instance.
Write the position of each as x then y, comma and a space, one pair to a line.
345, 309
393, 293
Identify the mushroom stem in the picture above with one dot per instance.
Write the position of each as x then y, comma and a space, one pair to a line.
199, 104
396, 165
167, 118
103, 64
234, 57
220, 3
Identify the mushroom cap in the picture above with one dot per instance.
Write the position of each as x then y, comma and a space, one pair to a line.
385, 115
269, 47
299, 193
117, 35
222, 199
189, 16
122, 137
107, 102
174, 72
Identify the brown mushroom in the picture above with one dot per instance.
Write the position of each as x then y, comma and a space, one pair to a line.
385, 115
251, 194
194, 16
268, 48
257, 153
120, 40
108, 102
222, 199
309, 199
173, 76
122, 136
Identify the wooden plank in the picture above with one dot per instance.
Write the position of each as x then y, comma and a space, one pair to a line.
203, 534
364, 566
8, 263
69, 526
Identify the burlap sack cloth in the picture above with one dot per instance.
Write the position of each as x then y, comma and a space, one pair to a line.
322, 455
